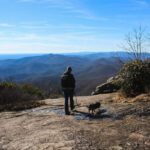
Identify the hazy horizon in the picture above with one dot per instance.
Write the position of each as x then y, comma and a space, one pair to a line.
22, 55
62, 52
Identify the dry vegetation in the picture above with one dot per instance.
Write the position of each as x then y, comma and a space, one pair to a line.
18, 106
119, 98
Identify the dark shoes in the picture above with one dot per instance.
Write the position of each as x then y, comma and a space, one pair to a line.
73, 108
67, 113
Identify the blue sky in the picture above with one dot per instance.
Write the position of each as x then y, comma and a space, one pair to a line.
57, 26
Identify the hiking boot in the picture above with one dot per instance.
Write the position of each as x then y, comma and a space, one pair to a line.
73, 108
67, 113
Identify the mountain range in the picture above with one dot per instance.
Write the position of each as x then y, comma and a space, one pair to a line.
89, 69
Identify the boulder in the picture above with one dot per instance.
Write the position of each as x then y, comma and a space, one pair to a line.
108, 87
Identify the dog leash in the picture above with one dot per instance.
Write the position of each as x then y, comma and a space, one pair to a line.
76, 99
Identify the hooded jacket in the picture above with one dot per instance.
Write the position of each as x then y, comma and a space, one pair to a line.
67, 81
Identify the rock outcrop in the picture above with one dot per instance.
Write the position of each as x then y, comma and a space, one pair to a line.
108, 87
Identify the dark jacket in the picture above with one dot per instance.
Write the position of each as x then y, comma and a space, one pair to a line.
67, 81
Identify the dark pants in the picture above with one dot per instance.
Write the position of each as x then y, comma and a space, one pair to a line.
68, 94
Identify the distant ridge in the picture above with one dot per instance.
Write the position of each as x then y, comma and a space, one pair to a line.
17, 56
79, 54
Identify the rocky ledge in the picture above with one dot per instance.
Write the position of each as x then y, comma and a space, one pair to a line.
108, 87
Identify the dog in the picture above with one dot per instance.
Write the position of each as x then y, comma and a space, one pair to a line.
92, 107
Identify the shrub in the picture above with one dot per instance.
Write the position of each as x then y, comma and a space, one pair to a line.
16, 97
55, 96
134, 77
9, 92
33, 91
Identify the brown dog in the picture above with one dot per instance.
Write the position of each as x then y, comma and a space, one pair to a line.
92, 107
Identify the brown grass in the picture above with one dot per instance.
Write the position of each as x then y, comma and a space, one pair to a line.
119, 98
18, 106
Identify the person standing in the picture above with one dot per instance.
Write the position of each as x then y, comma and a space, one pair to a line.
68, 86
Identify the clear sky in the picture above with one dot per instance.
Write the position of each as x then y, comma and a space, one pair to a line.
57, 26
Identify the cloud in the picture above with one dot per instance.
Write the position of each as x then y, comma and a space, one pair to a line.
72, 6
66, 4
73, 41
58, 38
60, 3
64, 42
28, 0
66, 27
36, 47
141, 2
6, 25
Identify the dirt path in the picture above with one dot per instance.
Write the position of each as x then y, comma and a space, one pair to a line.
47, 128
